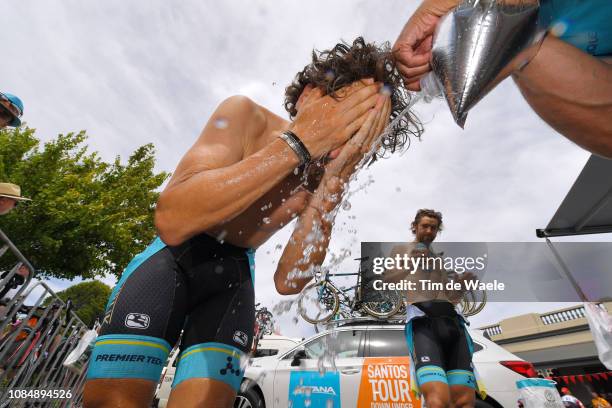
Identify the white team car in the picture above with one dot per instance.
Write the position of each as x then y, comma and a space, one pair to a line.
268, 346
371, 361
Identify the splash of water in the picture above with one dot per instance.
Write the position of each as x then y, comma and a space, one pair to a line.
327, 361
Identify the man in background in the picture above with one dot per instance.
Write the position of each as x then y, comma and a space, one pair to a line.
11, 109
10, 196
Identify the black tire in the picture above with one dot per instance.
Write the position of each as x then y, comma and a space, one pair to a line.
248, 398
387, 306
331, 308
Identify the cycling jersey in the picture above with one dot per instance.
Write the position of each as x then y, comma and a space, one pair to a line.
583, 23
203, 287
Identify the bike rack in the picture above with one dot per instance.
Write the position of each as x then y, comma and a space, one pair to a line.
42, 366
361, 319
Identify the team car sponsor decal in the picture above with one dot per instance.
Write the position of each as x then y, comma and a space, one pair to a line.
313, 389
385, 383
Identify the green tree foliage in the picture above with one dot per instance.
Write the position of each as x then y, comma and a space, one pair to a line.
87, 217
88, 299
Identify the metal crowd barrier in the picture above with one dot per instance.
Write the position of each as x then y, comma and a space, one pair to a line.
35, 340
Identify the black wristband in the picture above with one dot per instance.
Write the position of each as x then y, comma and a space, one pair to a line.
297, 146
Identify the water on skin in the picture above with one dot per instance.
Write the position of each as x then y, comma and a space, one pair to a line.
221, 123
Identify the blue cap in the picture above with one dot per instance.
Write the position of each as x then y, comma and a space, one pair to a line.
17, 103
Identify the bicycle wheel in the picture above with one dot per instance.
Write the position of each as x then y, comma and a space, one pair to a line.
386, 306
318, 303
471, 304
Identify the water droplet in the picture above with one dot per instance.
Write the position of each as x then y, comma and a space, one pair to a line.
346, 206
558, 28
330, 75
219, 269
386, 90
296, 171
266, 220
273, 83
221, 123
278, 247
221, 236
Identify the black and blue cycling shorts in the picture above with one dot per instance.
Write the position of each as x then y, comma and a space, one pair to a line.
202, 287
440, 345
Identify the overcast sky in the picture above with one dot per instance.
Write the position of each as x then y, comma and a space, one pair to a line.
141, 71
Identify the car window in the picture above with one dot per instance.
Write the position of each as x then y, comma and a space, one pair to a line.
344, 344
265, 352
387, 343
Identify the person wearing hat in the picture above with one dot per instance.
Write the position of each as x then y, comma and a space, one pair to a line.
11, 109
10, 196
569, 400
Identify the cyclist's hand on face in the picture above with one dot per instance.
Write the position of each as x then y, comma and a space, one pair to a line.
339, 170
323, 123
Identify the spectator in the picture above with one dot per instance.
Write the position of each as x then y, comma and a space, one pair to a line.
10, 196
11, 109
569, 400
598, 401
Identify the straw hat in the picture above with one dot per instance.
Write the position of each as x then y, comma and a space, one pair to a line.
11, 190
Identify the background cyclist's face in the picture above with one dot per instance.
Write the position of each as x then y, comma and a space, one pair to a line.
427, 229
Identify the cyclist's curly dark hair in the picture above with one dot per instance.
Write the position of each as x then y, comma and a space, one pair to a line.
344, 64
425, 212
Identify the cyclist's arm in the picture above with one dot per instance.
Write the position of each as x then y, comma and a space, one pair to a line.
305, 251
454, 296
572, 91
209, 185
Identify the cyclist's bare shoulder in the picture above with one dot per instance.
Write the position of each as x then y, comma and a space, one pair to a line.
225, 137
